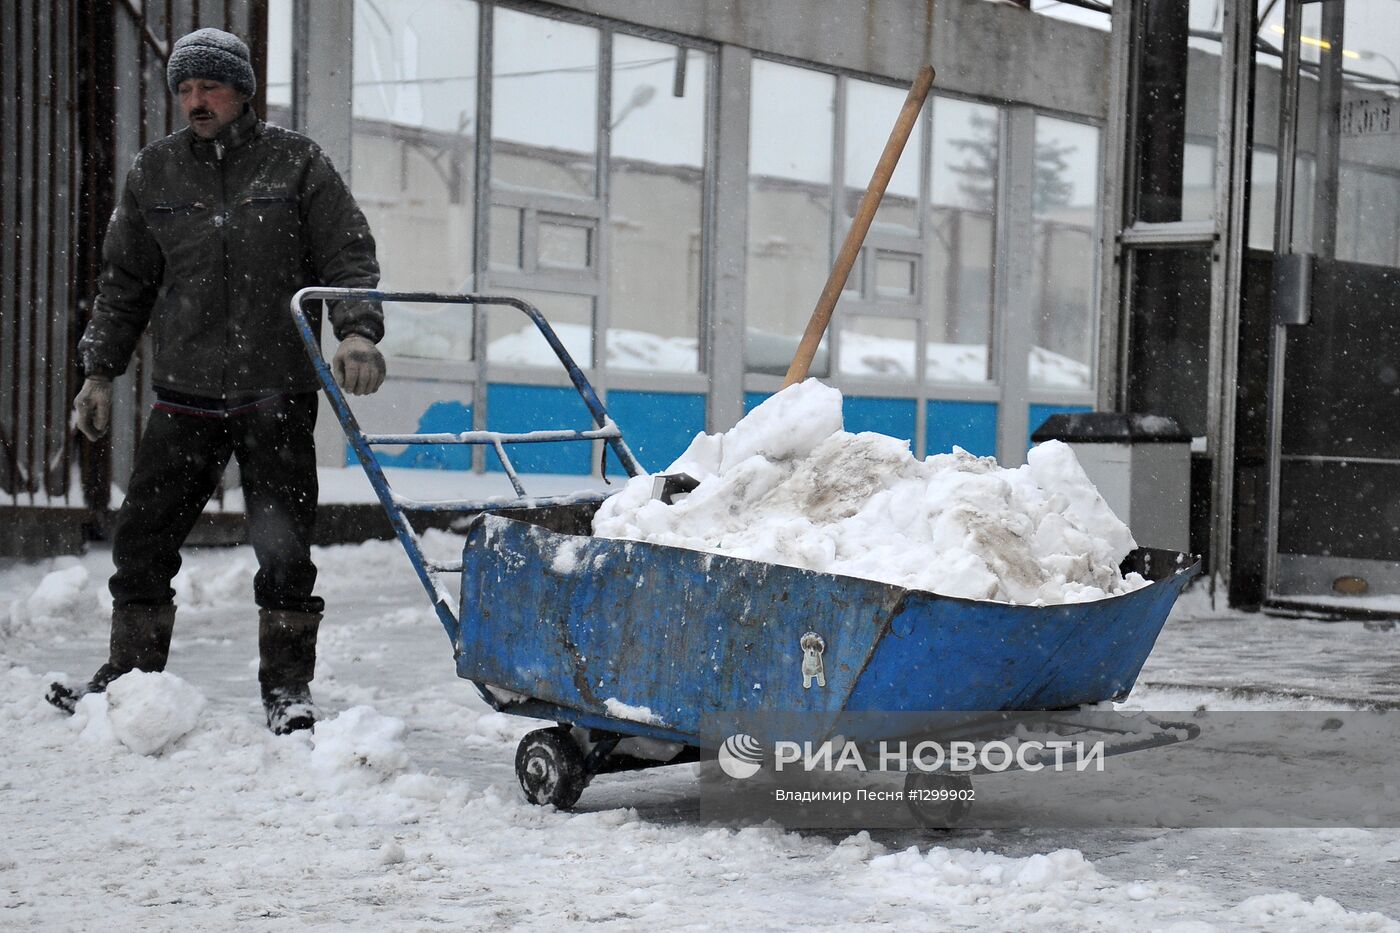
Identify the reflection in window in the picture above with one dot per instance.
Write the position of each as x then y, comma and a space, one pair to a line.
507, 229
1064, 215
513, 339
1169, 335
871, 109
656, 190
428, 331
961, 240
1263, 198
1178, 78
789, 252
878, 347
544, 105
564, 245
412, 156
279, 61
1368, 206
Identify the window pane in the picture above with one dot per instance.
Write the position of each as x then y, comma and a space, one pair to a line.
1169, 335
656, 191
565, 245
412, 158
789, 253
1364, 205
1178, 101
871, 110
427, 331
1064, 214
544, 104
879, 347
896, 276
279, 61
506, 229
961, 240
512, 338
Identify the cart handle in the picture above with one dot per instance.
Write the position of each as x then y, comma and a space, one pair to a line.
395, 506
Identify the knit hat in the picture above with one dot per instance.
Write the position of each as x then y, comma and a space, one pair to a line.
213, 54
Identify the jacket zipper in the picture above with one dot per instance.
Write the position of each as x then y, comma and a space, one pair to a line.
221, 218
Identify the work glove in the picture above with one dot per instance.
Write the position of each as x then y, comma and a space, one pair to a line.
92, 409
358, 365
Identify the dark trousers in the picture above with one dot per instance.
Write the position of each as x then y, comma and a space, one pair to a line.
178, 465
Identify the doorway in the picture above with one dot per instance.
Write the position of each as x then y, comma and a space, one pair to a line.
1333, 536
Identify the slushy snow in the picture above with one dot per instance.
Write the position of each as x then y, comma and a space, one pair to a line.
362, 825
359, 743
788, 485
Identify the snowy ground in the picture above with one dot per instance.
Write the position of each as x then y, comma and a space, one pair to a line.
230, 827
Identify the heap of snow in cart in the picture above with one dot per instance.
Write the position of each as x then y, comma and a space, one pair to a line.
788, 485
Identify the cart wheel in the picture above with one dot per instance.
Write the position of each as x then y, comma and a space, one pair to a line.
549, 768
937, 799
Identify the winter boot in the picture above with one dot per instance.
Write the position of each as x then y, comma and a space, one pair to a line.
140, 641
287, 649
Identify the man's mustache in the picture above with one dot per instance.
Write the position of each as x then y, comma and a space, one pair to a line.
200, 112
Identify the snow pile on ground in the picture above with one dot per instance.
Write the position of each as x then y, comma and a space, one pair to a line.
788, 485
146, 712
60, 598
358, 742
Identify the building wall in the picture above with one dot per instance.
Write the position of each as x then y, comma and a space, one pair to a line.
665, 318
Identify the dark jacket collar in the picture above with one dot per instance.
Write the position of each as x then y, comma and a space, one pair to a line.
246, 127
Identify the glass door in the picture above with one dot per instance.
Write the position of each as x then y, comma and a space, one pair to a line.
1334, 516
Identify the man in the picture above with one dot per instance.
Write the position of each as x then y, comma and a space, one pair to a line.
218, 226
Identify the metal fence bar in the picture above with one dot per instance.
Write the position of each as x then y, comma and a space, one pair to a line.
9, 149
508, 466
30, 370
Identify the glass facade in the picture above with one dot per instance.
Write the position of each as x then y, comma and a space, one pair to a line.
598, 202
1065, 209
790, 210
413, 160
656, 203
964, 174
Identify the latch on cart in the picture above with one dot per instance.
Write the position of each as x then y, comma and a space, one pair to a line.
812, 647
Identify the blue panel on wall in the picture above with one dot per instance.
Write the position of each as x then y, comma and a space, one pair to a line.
754, 399
519, 408
440, 418
970, 425
658, 426
892, 416
1040, 412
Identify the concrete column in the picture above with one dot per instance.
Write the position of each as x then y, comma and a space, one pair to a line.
323, 68
1015, 285
725, 336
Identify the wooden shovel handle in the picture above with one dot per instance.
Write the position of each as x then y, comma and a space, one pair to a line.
860, 225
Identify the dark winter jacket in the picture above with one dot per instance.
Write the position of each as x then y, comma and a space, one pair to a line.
208, 244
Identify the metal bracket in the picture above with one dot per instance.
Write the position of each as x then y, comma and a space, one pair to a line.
812, 647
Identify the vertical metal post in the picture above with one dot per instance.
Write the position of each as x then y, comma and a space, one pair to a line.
323, 92
30, 309
602, 259
257, 43
1327, 176
1283, 243
1014, 286
49, 312
9, 468
97, 195
731, 195
1227, 271
1112, 308
485, 68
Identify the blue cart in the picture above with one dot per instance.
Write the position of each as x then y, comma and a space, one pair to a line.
638, 651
